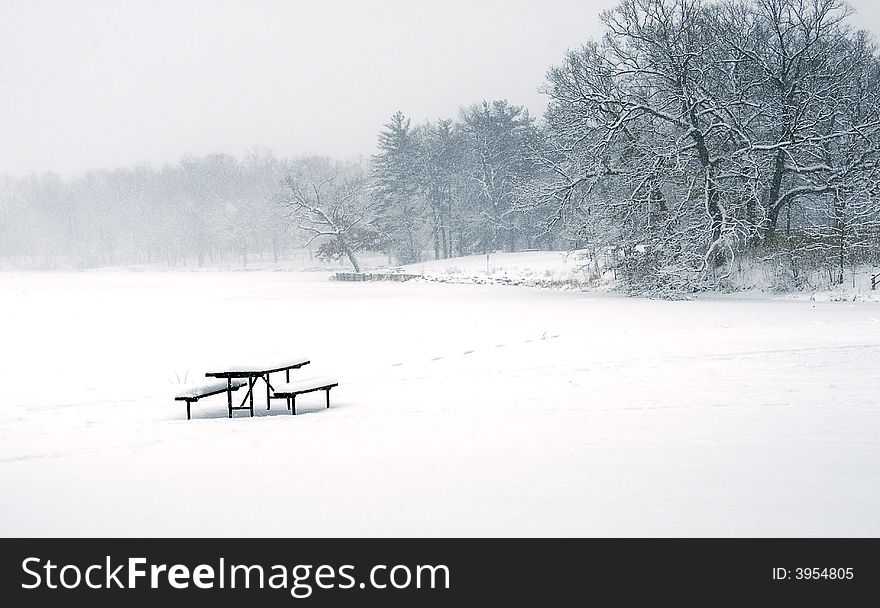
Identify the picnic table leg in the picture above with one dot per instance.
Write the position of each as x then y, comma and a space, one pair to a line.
251, 383
287, 379
229, 395
268, 393
328, 398
293, 404
187, 409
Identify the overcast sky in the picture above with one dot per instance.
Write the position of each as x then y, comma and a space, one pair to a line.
108, 83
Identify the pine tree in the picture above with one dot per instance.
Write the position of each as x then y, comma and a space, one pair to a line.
399, 210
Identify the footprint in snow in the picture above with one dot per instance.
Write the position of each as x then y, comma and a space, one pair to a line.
467, 352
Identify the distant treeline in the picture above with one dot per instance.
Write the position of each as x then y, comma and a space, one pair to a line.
199, 211
694, 135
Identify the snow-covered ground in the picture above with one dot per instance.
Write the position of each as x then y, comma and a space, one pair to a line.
568, 270
559, 269
461, 410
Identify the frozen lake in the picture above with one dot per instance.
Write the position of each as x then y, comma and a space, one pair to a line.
461, 410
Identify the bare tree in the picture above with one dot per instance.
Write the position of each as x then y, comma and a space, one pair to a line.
328, 200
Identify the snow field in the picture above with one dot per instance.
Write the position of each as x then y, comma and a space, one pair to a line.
461, 410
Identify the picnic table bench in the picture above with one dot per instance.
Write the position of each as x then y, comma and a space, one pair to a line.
195, 392
289, 390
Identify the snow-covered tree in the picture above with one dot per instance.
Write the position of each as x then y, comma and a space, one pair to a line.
497, 139
437, 166
680, 137
400, 211
329, 200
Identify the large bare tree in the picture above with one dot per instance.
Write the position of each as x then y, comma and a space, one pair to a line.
328, 200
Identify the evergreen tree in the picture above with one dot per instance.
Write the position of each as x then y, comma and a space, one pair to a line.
400, 211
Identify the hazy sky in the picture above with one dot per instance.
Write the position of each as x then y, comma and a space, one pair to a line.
93, 84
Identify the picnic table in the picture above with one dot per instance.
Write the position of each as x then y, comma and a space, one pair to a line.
252, 373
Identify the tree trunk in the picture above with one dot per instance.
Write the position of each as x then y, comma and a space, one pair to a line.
716, 217
773, 205
840, 227
435, 233
351, 257
443, 240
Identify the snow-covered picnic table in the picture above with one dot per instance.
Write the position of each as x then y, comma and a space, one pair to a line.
252, 372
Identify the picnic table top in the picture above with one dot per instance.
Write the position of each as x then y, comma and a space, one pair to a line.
258, 368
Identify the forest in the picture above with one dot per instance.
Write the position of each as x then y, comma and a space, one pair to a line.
694, 140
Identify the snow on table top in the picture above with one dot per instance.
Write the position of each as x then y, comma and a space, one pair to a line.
261, 366
197, 390
304, 384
